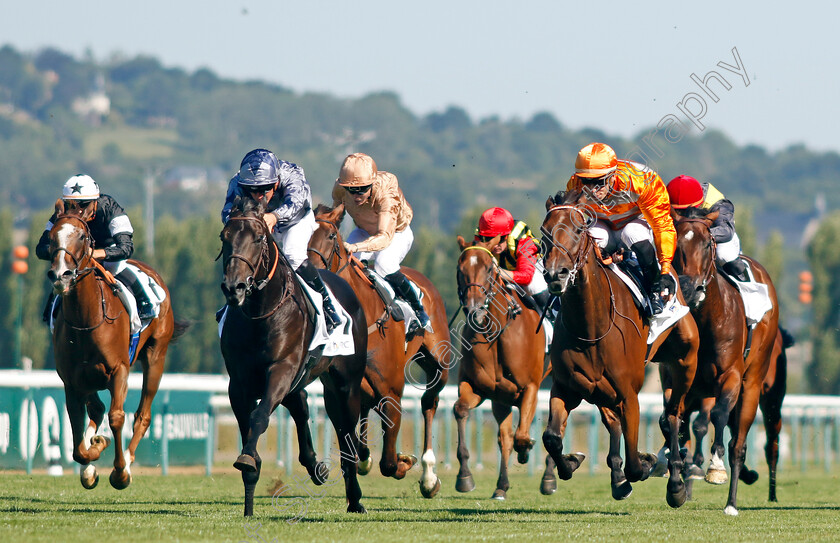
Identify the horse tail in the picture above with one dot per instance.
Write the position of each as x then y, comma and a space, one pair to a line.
787, 338
180, 327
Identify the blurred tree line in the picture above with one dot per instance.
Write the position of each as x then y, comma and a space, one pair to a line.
450, 167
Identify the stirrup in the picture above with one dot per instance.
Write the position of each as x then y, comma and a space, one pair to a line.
331, 317
145, 310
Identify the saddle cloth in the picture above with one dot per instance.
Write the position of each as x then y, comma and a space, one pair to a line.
756, 296
400, 309
672, 312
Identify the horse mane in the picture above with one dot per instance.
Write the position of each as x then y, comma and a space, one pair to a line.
692, 213
247, 207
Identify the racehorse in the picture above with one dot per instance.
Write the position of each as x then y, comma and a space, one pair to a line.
265, 342
727, 372
390, 354
772, 395
502, 359
91, 342
599, 351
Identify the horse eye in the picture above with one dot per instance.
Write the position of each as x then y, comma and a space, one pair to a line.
331, 236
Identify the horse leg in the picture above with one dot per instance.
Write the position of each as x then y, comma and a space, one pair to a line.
87, 446
365, 461
558, 416
619, 484
152, 359
700, 427
727, 398
437, 373
740, 423
392, 464
772, 411
342, 403
504, 417
242, 405
299, 410
467, 399
548, 485
121, 474
527, 407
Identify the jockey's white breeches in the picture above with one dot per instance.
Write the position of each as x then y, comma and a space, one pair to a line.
294, 239
388, 260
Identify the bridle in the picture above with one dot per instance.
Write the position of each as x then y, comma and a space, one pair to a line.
336, 249
494, 279
709, 274
79, 274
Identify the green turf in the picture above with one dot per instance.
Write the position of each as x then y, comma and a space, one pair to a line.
197, 508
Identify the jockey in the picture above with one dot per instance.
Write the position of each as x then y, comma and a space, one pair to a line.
686, 192
632, 208
283, 188
513, 245
382, 216
111, 231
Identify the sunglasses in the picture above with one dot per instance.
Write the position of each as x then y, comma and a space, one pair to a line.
357, 190
259, 189
484, 239
597, 182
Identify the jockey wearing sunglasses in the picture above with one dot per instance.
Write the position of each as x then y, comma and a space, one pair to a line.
632, 209
282, 186
111, 231
383, 217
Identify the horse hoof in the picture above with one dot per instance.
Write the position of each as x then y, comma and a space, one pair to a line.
573, 461
621, 490
661, 467
433, 491
548, 486
120, 479
748, 476
731, 511
522, 457
357, 508
364, 466
246, 463
675, 494
648, 464
320, 474
499, 494
89, 477
693, 471
409, 459
716, 476
465, 484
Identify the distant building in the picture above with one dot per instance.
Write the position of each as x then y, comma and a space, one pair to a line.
96, 106
193, 178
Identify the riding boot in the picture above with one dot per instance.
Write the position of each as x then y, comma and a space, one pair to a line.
737, 269
48, 307
404, 290
543, 299
646, 254
145, 309
310, 274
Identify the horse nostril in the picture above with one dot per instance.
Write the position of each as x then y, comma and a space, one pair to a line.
52, 276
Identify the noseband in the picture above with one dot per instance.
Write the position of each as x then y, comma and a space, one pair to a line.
579, 257
710, 269
77, 273
493, 279
336, 250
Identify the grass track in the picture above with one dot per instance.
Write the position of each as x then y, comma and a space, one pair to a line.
197, 508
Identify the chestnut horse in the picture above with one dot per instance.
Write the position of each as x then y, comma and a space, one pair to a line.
503, 355
91, 341
390, 354
599, 350
733, 380
265, 342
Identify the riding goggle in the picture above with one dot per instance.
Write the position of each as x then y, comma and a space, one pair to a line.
357, 190
484, 239
597, 182
257, 189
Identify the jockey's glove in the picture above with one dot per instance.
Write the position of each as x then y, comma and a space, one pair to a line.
667, 287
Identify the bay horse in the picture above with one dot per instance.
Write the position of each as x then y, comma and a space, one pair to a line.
502, 359
599, 351
91, 344
390, 354
732, 377
265, 342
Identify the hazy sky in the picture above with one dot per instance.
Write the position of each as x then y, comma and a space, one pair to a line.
618, 66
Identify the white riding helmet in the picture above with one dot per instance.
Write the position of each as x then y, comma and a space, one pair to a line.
80, 187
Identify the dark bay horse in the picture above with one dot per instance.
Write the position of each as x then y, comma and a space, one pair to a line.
91, 345
265, 343
734, 381
599, 349
502, 359
390, 356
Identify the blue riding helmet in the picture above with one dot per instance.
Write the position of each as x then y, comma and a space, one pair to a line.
259, 167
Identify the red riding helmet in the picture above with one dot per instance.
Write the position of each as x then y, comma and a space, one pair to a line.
685, 191
496, 221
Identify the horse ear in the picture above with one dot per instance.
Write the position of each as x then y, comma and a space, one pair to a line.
674, 216
462, 243
59, 206
338, 214
89, 211
711, 217
549, 203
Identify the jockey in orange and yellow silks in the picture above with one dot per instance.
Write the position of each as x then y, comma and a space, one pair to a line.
633, 210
